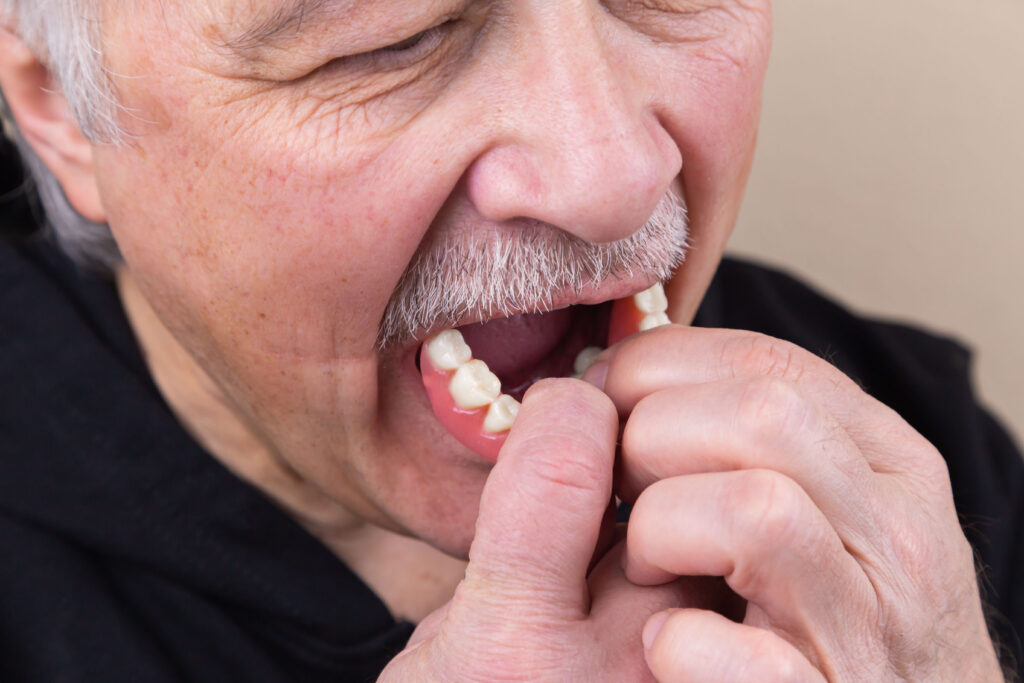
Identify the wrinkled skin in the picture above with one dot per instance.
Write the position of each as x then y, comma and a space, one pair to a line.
274, 194
267, 215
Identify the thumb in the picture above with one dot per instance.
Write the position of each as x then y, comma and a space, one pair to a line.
542, 506
428, 627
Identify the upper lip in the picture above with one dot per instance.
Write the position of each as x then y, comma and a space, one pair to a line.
607, 290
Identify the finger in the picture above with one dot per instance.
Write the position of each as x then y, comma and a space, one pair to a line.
696, 645
541, 509
674, 355
750, 423
622, 608
760, 531
614, 595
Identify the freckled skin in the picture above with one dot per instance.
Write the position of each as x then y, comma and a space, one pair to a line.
268, 223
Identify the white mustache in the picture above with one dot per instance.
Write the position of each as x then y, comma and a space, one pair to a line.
492, 275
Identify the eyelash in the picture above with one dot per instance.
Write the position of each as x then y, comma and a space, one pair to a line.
399, 55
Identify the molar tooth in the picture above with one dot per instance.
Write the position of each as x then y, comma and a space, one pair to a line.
652, 320
585, 359
501, 414
448, 350
473, 385
652, 300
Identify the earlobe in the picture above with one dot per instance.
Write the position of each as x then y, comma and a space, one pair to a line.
46, 124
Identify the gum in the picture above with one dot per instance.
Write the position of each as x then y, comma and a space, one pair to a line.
625, 320
467, 426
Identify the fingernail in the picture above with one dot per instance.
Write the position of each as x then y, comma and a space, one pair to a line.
652, 627
597, 373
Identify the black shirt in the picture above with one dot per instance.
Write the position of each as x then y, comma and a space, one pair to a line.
129, 554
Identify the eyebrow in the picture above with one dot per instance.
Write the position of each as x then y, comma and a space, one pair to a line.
284, 22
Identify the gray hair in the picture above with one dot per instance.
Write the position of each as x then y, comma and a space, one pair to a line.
65, 35
455, 275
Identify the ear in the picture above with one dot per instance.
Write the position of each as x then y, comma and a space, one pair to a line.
46, 124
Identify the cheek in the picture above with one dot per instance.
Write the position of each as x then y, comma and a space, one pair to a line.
272, 269
713, 95
712, 113
300, 250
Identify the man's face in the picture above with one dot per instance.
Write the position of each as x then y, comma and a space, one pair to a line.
288, 164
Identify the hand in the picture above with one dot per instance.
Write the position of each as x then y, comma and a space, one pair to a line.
527, 610
751, 459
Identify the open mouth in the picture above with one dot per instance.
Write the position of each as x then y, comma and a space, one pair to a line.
476, 375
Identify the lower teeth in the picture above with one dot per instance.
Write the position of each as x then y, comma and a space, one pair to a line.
585, 359
501, 414
474, 387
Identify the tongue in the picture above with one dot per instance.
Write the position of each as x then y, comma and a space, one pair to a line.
510, 344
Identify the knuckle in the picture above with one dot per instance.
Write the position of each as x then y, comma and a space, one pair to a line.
565, 463
931, 469
766, 503
759, 354
557, 473
930, 573
774, 406
769, 512
933, 564
912, 552
570, 446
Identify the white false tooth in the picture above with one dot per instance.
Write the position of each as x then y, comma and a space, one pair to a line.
448, 350
652, 320
585, 359
652, 300
473, 385
501, 414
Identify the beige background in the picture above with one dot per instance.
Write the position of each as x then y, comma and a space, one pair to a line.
890, 170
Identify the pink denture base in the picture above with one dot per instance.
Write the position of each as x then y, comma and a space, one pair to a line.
465, 425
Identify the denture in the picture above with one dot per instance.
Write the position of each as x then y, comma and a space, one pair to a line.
466, 396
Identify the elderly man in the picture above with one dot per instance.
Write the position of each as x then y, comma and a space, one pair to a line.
347, 238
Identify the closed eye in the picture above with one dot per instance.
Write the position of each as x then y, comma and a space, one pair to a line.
408, 43
402, 54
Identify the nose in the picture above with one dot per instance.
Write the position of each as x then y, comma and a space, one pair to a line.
577, 146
